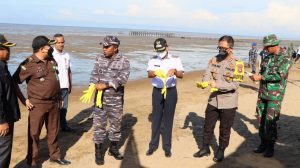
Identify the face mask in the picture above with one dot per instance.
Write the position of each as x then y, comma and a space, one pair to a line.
223, 52
50, 51
161, 54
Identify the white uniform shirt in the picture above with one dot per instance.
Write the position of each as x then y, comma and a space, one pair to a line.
165, 64
298, 51
63, 62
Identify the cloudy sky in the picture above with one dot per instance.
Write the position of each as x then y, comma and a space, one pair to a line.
235, 17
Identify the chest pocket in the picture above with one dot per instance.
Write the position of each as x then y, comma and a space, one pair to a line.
111, 69
41, 72
228, 74
215, 69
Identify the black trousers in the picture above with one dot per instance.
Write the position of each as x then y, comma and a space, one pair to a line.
163, 110
6, 146
226, 116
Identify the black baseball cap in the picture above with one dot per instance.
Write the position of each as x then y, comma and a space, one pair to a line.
5, 43
160, 45
41, 41
110, 40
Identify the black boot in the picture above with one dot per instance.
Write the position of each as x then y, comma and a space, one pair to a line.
262, 147
99, 155
219, 155
204, 151
270, 149
114, 151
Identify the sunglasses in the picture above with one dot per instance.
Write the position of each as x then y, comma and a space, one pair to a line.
222, 48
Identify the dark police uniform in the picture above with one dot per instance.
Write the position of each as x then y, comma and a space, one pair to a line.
9, 113
43, 92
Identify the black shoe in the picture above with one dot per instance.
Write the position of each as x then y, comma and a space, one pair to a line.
114, 151
262, 147
99, 155
168, 154
150, 152
219, 155
270, 149
67, 129
204, 151
60, 161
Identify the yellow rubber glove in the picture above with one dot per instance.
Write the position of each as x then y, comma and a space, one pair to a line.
213, 90
99, 99
86, 97
163, 76
202, 85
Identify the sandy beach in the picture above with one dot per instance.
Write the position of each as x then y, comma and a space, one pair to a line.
78, 147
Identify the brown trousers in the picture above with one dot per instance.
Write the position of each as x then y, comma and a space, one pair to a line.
48, 114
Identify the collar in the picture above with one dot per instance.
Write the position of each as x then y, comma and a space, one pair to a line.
37, 60
118, 56
56, 52
168, 56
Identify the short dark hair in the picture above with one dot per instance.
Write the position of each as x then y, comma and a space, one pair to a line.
41, 41
58, 35
228, 39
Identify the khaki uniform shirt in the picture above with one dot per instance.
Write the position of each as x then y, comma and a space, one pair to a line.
222, 72
41, 78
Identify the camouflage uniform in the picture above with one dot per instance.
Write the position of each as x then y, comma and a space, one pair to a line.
274, 72
116, 72
253, 53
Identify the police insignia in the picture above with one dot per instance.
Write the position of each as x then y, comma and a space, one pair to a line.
239, 71
227, 76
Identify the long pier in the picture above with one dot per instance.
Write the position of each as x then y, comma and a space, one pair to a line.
151, 34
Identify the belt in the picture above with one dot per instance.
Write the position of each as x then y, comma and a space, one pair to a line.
220, 93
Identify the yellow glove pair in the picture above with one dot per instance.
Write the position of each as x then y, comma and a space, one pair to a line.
163, 76
86, 97
204, 85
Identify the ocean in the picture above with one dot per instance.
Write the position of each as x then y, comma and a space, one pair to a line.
194, 49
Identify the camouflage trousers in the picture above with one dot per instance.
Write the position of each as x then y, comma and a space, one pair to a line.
112, 110
268, 112
253, 66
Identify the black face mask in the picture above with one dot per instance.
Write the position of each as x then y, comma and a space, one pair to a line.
223, 53
50, 51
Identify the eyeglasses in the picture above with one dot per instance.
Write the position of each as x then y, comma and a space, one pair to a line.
222, 48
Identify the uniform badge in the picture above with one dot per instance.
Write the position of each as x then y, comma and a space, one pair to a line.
227, 76
42, 79
214, 75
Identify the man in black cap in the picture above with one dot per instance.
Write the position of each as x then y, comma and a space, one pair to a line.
163, 68
40, 73
109, 75
9, 107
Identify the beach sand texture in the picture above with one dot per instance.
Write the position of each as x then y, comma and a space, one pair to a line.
78, 147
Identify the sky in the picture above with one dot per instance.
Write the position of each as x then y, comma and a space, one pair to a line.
233, 17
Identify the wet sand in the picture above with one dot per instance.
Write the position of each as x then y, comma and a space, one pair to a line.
78, 147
